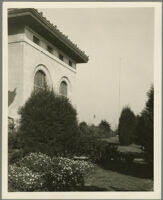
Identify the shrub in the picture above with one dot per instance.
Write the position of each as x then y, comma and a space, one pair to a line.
48, 124
68, 174
15, 151
91, 143
39, 172
23, 179
14, 155
88, 142
36, 162
104, 129
14, 140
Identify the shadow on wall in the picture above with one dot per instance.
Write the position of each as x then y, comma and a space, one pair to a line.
11, 96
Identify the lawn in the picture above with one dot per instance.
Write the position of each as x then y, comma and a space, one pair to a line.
105, 179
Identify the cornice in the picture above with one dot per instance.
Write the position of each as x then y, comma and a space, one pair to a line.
52, 28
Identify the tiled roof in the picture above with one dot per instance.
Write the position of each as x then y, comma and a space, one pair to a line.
54, 28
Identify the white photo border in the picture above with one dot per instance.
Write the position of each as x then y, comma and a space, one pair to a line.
156, 194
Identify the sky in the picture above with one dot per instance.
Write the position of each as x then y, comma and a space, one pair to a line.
120, 46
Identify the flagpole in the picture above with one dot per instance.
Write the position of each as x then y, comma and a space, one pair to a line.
119, 95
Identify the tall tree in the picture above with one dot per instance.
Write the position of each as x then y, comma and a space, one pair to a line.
126, 127
139, 130
147, 115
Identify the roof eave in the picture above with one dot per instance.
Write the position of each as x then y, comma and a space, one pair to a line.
81, 56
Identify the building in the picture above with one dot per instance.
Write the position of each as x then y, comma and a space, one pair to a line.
38, 55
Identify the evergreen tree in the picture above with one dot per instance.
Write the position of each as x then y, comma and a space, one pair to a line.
139, 130
147, 115
126, 127
48, 124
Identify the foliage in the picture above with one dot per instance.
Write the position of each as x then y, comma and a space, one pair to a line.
36, 162
14, 141
14, 146
83, 126
150, 102
68, 173
14, 155
139, 130
23, 179
48, 124
105, 125
88, 142
39, 172
144, 128
11, 125
126, 127
104, 129
91, 143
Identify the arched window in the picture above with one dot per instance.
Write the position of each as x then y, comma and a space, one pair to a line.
63, 88
40, 80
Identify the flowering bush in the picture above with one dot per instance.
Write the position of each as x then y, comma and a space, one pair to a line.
37, 162
68, 173
23, 179
39, 172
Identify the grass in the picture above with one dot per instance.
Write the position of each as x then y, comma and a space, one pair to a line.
118, 176
103, 179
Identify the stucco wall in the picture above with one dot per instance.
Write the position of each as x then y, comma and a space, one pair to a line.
15, 78
36, 58
25, 58
43, 43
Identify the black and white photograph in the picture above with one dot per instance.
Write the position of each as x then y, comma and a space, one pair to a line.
81, 100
